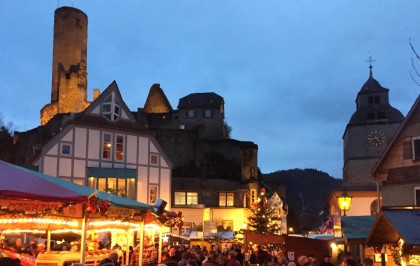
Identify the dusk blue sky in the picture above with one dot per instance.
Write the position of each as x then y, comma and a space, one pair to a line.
288, 70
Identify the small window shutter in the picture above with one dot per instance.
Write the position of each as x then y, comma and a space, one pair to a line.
416, 149
407, 150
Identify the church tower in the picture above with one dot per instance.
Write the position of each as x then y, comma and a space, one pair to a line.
69, 76
368, 133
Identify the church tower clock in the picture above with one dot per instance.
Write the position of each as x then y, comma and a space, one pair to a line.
368, 133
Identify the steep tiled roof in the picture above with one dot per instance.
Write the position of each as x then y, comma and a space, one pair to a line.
201, 100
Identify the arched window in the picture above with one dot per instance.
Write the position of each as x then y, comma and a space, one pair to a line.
374, 207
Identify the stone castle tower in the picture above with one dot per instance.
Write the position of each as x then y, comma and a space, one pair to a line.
69, 76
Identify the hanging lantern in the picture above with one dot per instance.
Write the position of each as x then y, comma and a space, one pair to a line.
344, 201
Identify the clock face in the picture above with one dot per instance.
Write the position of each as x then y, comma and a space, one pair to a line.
376, 138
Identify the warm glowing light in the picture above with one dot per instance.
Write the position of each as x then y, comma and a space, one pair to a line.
60, 231
23, 231
151, 227
333, 245
344, 201
116, 222
40, 221
113, 230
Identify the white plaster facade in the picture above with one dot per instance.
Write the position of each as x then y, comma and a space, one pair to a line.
105, 150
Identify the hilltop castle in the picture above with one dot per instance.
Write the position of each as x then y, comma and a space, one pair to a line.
194, 136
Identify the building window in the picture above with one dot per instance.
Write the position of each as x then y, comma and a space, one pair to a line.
111, 108
121, 186
185, 198
381, 115
106, 146
208, 113
374, 99
153, 193
370, 116
417, 196
66, 149
416, 148
252, 173
154, 159
191, 113
225, 199
253, 196
119, 148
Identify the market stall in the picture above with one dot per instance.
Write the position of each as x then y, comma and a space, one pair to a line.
33, 201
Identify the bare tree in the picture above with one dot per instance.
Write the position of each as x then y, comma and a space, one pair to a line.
414, 74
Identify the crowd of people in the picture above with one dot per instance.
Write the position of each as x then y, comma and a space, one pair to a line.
234, 255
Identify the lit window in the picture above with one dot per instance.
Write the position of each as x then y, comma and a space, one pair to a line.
119, 148
153, 193
182, 126
190, 113
192, 198
185, 198
179, 198
208, 113
121, 186
253, 196
225, 199
106, 146
65, 149
111, 108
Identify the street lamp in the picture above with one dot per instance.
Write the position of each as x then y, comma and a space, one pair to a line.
344, 201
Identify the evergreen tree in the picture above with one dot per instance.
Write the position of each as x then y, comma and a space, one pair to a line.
263, 219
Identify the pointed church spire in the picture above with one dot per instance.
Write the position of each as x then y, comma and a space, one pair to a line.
370, 60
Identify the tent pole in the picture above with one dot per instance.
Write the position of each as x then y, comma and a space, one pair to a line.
127, 249
160, 245
141, 243
48, 239
83, 239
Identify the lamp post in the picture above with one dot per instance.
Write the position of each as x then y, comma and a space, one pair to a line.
344, 201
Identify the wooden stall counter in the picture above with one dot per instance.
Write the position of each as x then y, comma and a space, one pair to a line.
67, 258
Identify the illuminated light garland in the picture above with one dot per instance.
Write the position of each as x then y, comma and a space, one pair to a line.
39, 221
60, 231
24, 231
115, 222
114, 230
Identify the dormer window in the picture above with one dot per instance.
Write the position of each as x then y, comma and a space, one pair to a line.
111, 108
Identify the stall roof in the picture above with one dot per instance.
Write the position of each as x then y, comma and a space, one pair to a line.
357, 228
395, 223
20, 183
